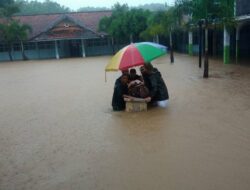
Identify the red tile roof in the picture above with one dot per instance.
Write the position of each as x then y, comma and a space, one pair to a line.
41, 23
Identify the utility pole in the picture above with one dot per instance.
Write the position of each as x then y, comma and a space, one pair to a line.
200, 42
171, 47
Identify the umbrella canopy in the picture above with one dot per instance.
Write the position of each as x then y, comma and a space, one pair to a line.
135, 54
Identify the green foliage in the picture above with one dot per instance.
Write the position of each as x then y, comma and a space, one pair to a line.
146, 34
155, 25
3, 3
161, 23
154, 7
85, 9
186, 12
8, 8
137, 21
35, 7
104, 24
14, 31
171, 20
125, 22
181, 8
227, 12
222, 10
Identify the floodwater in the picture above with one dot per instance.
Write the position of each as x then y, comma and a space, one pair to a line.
58, 131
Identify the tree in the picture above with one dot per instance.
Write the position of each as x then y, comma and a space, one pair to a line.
154, 7
217, 13
84, 9
22, 35
8, 8
220, 10
8, 36
35, 7
182, 8
14, 32
154, 26
136, 22
124, 23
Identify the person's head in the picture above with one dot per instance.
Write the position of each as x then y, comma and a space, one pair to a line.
132, 72
148, 67
124, 79
125, 71
143, 70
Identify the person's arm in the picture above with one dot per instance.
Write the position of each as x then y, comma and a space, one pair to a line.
148, 99
153, 89
153, 83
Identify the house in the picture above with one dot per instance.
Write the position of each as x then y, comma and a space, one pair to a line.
62, 35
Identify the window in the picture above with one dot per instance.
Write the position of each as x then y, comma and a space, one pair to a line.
46, 45
97, 42
29, 46
17, 47
3, 48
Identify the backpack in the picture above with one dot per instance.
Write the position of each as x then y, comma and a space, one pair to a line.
138, 90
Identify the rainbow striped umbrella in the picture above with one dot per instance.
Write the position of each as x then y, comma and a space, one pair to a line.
135, 54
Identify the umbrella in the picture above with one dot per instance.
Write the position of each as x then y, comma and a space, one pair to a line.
135, 54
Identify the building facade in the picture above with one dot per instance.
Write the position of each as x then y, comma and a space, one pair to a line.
243, 29
231, 44
61, 36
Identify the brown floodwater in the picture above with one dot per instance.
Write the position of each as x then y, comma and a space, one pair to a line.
58, 131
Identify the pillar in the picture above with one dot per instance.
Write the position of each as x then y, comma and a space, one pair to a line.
37, 51
171, 47
83, 48
206, 65
226, 53
56, 50
237, 44
190, 43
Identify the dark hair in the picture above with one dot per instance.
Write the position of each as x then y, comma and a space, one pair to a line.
125, 71
148, 66
142, 68
132, 71
125, 75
